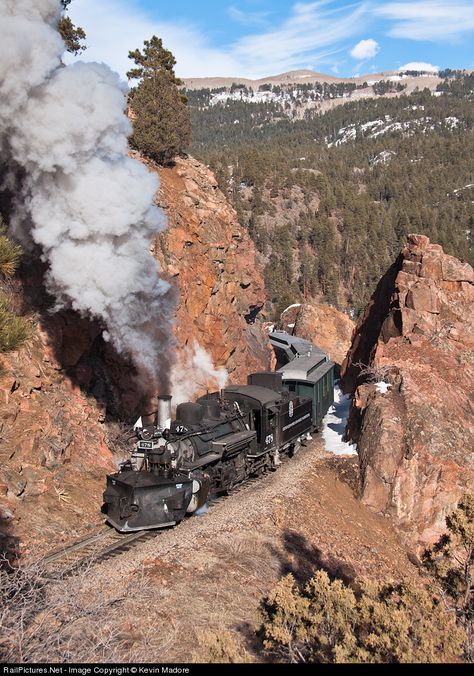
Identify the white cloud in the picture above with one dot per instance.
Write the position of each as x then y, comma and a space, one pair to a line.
429, 19
420, 66
365, 49
312, 33
247, 18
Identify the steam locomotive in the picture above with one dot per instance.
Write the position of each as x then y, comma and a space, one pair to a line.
220, 440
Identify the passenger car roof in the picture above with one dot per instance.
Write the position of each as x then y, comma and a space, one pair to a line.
306, 368
295, 347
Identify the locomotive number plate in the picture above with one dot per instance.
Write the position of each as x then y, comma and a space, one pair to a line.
145, 444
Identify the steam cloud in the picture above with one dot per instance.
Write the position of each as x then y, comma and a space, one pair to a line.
81, 198
195, 371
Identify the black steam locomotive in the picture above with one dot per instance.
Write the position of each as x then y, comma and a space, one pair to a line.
221, 439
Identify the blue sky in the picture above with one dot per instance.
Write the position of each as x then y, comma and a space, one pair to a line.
255, 38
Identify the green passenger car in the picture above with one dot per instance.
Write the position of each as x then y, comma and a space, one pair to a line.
306, 370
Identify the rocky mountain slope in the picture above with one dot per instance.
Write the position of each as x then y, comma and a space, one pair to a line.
329, 198
411, 367
305, 90
67, 397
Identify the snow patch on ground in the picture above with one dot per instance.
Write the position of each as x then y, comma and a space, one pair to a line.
469, 185
334, 425
452, 122
384, 157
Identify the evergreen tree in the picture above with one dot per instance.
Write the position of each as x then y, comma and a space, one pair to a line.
14, 330
161, 122
72, 35
451, 562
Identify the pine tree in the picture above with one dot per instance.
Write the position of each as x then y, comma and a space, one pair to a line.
451, 562
161, 122
71, 34
14, 330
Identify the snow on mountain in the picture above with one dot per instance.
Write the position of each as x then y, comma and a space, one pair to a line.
379, 127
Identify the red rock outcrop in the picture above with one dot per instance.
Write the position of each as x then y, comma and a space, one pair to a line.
212, 259
323, 325
55, 447
415, 439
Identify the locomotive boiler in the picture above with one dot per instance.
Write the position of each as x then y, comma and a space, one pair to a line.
218, 441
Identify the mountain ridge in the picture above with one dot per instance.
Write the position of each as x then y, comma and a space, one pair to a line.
296, 77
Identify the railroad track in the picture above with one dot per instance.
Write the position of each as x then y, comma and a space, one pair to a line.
105, 544
94, 548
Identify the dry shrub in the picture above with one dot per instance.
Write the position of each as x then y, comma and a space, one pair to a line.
219, 646
372, 373
243, 553
68, 620
328, 622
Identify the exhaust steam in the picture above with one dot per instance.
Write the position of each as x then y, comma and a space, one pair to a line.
78, 196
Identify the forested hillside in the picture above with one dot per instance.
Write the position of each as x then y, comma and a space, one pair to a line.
329, 198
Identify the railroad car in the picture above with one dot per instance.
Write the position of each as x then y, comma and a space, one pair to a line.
220, 440
306, 370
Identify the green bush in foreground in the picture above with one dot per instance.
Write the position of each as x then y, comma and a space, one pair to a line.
14, 330
10, 254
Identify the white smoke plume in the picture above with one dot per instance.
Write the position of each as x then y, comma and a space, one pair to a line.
88, 206
194, 372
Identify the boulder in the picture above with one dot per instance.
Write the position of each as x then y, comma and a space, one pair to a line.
324, 325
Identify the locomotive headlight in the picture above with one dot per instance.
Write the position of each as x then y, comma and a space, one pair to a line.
147, 433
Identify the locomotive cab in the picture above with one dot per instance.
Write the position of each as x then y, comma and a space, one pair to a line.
280, 419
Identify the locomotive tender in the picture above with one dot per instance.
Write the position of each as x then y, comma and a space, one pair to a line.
221, 439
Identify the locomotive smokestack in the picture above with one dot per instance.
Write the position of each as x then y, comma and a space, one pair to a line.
164, 411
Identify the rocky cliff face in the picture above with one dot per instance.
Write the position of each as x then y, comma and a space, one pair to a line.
212, 260
323, 325
66, 397
415, 429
